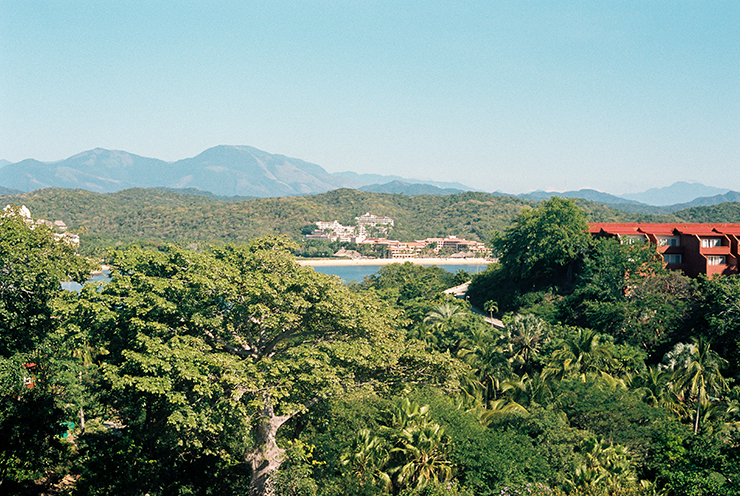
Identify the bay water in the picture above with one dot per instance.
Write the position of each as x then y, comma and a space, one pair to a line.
356, 273
348, 273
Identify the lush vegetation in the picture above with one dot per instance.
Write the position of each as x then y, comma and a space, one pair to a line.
152, 217
233, 370
620, 332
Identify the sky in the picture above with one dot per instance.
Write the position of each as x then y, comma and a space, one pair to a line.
509, 96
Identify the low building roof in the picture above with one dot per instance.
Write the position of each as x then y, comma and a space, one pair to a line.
733, 229
664, 229
613, 228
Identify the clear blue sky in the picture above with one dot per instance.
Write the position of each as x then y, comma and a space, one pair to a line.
512, 96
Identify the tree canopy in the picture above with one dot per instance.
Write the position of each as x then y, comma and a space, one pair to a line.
36, 388
274, 337
33, 263
234, 370
545, 243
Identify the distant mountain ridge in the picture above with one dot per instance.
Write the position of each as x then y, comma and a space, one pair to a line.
654, 198
228, 171
404, 188
706, 201
585, 194
234, 173
377, 179
677, 193
8, 191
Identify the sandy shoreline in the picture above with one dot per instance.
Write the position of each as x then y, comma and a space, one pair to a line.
386, 261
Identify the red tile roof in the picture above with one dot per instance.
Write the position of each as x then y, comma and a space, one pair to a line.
664, 229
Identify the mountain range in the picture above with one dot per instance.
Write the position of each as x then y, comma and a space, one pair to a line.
238, 172
658, 201
222, 170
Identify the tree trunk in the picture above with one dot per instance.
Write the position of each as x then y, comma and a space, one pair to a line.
696, 422
82, 412
267, 456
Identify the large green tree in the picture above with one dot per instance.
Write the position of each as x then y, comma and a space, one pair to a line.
719, 316
235, 342
35, 384
540, 255
624, 290
545, 243
33, 263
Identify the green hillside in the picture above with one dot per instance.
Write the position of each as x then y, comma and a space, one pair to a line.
724, 212
155, 216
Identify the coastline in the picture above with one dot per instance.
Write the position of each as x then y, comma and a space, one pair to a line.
325, 262
101, 271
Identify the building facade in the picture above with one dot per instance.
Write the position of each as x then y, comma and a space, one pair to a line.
455, 244
369, 219
707, 248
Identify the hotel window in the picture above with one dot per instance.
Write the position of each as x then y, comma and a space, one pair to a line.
632, 239
672, 259
716, 260
711, 242
668, 241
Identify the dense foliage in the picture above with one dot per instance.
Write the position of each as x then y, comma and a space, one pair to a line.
149, 216
660, 346
37, 383
233, 370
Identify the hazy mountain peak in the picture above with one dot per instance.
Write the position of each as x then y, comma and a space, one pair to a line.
585, 194
245, 171
226, 170
409, 189
678, 192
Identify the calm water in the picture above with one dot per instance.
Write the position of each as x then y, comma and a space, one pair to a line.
349, 273
73, 286
356, 273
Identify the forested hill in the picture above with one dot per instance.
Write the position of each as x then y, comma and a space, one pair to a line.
155, 215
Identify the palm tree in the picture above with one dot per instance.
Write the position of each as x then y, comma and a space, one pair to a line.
581, 353
481, 350
424, 333
538, 389
368, 458
700, 376
444, 314
502, 408
507, 404
606, 466
733, 411
443, 318
408, 413
419, 455
526, 333
654, 384
491, 307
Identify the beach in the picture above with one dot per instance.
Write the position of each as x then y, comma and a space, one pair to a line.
324, 262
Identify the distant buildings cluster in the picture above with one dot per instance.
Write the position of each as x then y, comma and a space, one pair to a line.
451, 245
58, 226
334, 231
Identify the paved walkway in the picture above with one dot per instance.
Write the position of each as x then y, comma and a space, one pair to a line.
461, 292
